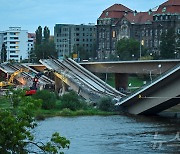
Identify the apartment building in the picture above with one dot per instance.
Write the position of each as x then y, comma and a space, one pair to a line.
69, 36
16, 42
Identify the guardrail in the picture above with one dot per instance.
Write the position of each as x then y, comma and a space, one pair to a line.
149, 84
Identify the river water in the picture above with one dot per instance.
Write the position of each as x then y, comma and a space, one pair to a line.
114, 134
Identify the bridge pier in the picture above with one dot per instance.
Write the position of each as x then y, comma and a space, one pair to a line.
60, 86
121, 81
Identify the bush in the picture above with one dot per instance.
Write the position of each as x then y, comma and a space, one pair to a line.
71, 101
105, 104
48, 98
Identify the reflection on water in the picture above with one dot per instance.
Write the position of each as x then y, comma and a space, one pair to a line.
114, 134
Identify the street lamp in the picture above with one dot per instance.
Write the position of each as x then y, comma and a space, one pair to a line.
132, 56
159, 66
175, 54
106, 77
150, 73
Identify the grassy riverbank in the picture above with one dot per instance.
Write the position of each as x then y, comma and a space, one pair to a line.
68, 105
41, 114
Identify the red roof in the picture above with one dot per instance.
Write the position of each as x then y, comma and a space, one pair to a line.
31, 35
115, 11
118, 7
171, 6
139, 18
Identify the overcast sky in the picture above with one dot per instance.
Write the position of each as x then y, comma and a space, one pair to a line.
29, 14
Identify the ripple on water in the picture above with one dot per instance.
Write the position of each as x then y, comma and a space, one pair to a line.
112, 134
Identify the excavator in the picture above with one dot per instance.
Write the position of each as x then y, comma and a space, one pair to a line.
11, 79
33, 88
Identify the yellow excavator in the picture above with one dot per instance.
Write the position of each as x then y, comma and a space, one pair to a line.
11, 79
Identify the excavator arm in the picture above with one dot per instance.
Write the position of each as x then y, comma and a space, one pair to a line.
11, 79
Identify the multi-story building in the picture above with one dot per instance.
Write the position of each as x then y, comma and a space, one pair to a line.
16, 42
31, 41
118, 21
1, 40
69, 36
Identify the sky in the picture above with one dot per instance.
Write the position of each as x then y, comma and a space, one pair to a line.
29, 14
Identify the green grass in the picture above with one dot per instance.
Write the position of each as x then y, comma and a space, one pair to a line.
67, 112
135, 81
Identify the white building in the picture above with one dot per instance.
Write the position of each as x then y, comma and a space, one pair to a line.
16, 42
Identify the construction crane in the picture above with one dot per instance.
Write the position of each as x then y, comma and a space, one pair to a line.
11, 79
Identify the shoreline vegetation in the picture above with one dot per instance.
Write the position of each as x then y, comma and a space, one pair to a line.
42, 114
71, 105
68, 105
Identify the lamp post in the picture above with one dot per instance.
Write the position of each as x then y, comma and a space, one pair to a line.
106, 77
64, 49
175, 54
150, 73
159, 66
132, 56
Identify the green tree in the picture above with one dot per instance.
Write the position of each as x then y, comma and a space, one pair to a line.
81, 52
46, 34
71, 101
168, 44
44, 47
48, 99
125, 48
39, 36
16, 124
3, 53
105, 104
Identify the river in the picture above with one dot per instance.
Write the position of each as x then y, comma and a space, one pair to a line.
114, 134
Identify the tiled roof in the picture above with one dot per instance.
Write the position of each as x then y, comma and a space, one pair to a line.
112, 15
171, 2
31, 35
139, 18
118, 7
171, 6
115, 11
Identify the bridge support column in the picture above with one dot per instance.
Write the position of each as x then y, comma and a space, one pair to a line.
121, 81
60, 86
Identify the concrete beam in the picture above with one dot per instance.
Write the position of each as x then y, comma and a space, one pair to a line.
136, 67
158, 98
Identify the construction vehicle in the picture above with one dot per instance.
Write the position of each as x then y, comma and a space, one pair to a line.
11, 79
33, 88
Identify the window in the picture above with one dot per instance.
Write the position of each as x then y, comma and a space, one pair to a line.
151, 32
113, 34
178, 31
14, 56
156, 32
12, 51
164, 9
77, 29
12, 42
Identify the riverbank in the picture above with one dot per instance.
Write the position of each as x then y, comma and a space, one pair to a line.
42, 114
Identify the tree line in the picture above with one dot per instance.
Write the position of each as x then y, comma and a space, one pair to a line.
44, 45
129, 49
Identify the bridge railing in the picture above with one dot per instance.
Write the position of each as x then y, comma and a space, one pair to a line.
151, 83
